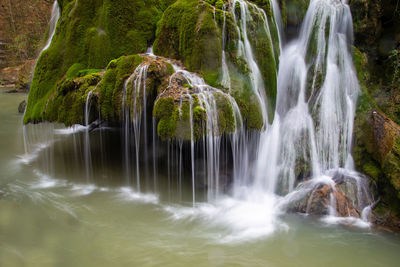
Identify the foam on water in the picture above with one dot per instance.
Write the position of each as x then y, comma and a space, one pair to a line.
29, 157
350, 221
83, 189
71, 130
241, 220
129, 194
46, 181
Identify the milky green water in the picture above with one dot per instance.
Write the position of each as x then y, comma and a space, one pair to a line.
62, 221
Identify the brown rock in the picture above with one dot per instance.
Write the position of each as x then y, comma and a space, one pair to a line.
318, 201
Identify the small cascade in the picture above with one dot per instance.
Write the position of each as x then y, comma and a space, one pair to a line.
155, 153
278, 23
246, 51
225, 79
88, 156
134, 114
38, 141
55, 15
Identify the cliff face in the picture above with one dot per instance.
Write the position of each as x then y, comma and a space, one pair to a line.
377, 59
22, 26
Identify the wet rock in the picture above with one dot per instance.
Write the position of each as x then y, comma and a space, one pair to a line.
319, 199
22, 107
377, 153
386, 219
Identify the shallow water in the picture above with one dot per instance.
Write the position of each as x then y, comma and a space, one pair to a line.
54, 217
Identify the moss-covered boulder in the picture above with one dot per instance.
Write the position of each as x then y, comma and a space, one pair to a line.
91, 33
189, 111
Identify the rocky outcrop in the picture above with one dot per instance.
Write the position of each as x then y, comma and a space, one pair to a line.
377, 148
376, 144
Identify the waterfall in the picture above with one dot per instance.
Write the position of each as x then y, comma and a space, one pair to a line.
311, 135
317, 121
317, 95
307, 144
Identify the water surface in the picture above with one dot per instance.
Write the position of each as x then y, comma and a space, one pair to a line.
52, 215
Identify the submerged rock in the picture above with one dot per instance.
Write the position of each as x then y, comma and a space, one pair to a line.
22, 107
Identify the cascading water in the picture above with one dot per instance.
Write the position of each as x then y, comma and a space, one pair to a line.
225, 79
133, 114
309, 138
34, 142
88, 156
55, 15
206, 97
317, 93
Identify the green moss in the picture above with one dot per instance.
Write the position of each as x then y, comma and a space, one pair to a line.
88, 35
188, 32
164, 111
226, 116
74, 70
111, 86
372, 169
254, 118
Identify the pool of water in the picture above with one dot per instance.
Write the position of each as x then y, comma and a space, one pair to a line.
53, 215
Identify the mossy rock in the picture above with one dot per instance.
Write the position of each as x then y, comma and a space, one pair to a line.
188, 32
186, 112
191, 31
377, 140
